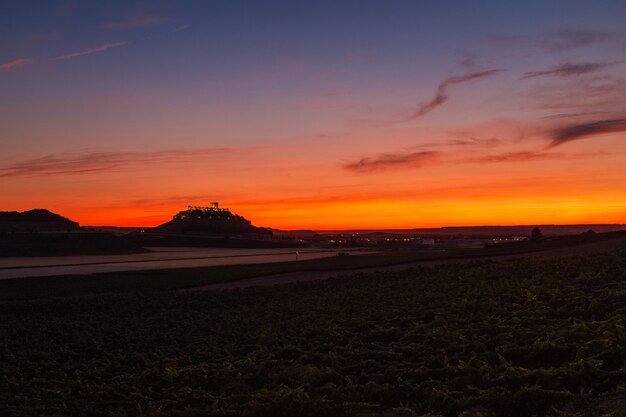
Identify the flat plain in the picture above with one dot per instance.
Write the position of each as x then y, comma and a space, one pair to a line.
519, 337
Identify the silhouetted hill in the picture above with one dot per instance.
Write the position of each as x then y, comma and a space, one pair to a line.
211, 227
62, 244
35, 220
40, 232
209, 220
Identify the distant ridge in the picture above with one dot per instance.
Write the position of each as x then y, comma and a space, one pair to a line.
40, 232
524, 230
35, 220
490, 231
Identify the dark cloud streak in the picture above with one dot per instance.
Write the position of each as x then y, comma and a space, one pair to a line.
406, 161
392, 161
580, 131
514, 157
567, 70
102, 161
474, 142
442, 91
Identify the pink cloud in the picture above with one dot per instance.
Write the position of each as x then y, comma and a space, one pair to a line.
89, 51
15, 63
181, 28
133, 22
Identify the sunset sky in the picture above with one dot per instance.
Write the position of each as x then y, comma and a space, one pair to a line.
316, 114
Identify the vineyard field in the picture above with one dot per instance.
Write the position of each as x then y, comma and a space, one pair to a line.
522, 338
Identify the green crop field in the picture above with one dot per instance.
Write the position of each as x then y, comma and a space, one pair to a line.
520, 338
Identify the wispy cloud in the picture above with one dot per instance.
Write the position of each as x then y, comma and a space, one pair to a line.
566, 39
556, 41
584, 130
13, 64
568, 70
168, 201
103, 161
573, 115
89, 51
523, 156
392, 161
474, 142
442, 91
413, 160
580, 95
133, 22
181, 28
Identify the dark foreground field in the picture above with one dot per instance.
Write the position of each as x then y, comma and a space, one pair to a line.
520, 338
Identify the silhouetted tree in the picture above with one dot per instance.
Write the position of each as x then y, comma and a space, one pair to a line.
536, 234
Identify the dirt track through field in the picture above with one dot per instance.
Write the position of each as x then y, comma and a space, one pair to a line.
303, 276
158, 258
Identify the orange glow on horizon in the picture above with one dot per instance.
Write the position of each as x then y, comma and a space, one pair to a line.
381, 215
447, 193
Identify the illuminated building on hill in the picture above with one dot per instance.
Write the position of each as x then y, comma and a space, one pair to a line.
203, 212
